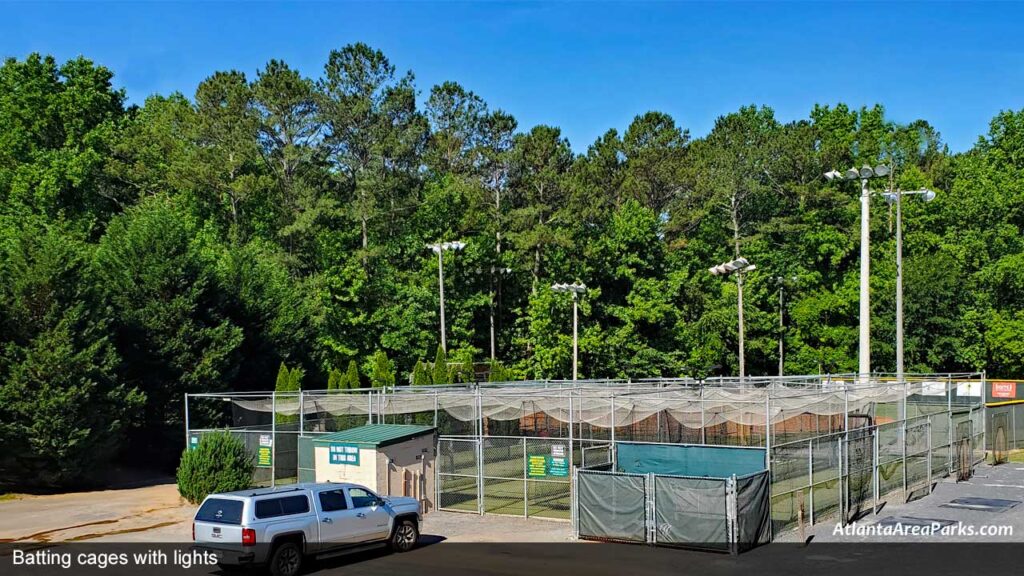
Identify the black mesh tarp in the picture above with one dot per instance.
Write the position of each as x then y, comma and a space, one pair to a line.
752, 511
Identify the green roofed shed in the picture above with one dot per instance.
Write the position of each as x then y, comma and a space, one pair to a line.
376, 435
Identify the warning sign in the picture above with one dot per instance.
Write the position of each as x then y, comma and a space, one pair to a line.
558, 466
1004, 389
264, 457
343, 453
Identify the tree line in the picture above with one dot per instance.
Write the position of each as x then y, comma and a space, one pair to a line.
280, 221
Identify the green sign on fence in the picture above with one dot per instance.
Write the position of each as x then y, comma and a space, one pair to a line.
536, 466
264, 452
193, 441
558, 466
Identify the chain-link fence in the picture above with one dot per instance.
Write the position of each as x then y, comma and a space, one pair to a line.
851, 474
518, 476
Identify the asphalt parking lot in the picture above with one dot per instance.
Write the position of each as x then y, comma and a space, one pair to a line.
1003, 482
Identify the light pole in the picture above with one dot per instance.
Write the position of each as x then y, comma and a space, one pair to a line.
575, 289
781, 281
739, 266
439, 249
895, 197
864, 174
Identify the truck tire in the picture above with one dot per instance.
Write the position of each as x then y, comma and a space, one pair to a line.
285, 560
404, 536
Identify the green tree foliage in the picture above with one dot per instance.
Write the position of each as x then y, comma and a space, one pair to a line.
195, 242
63, 412
420, 375
352, 381
220, 463
336, 380
382, 371
439, 369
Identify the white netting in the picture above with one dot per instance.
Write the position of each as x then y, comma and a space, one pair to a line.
692, 406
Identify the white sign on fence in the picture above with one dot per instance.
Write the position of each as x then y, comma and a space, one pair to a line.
933, 388
968, 388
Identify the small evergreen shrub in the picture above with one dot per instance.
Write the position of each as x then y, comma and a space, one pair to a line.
219, 464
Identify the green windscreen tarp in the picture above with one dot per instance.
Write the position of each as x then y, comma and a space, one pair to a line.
612, 506
689, 460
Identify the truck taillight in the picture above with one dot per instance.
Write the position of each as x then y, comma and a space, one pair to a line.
248, 537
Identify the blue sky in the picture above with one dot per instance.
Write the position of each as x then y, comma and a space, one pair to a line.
582, 66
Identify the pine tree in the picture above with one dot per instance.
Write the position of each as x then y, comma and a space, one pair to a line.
420, 376
335, 379
439, 372
283, 376
383, 375
351, 380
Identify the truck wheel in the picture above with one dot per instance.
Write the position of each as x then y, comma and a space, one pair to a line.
404, 537
286, 560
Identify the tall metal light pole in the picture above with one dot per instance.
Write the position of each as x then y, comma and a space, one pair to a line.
864, 174
781, 281
895, 197
739, 266
575, 289
439, 250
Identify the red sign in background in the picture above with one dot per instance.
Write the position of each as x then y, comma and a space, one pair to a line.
1004, 389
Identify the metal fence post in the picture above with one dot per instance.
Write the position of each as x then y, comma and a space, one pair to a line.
369, 407
730, 514
273, 438
904, 460
874, 468
479, 452
302, 413
842, 481
949, 413
526, 494
703, 426
435, 408
652, 523
846, 411
572, 461
188, 433
929, 454
612, 449
810, 480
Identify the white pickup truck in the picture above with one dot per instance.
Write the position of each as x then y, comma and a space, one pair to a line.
279, 527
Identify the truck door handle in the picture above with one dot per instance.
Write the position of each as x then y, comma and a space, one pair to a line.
361, 515
327, 520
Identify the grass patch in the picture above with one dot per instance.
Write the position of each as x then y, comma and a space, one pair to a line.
9, 496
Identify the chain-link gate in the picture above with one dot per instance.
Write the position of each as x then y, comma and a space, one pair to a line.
597, 457
964, 451
1000, 449
504, 476
917, 465
458, 477
859, 461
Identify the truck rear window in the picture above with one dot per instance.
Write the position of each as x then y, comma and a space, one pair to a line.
220, 511
273, 507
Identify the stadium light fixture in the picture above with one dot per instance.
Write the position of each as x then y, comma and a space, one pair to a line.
439, 249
